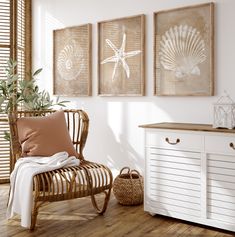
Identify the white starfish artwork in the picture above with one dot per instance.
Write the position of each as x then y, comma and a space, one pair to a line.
120, 56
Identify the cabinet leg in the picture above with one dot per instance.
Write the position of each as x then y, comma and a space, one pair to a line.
152, 213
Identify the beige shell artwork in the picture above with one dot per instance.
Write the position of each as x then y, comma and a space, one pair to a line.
182, 51
70, 61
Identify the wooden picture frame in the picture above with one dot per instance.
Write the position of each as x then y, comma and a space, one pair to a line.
121, 57
72, 61
184, 51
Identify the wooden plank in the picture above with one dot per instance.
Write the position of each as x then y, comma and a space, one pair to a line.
221, 210
185, 160
222, 164
179, 178
173, 183
188, 127
179, 203
221, 184
221, 177
154, 194
224, 158
174, 165
216, 170
223, 191
217, 203
221, 217
159, 188
221, 197
184, 173
174, 153
178, 209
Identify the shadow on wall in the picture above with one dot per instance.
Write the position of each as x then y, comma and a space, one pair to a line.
115, 137
123, 154
110, 139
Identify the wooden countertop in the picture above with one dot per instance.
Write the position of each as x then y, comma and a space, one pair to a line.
187, 126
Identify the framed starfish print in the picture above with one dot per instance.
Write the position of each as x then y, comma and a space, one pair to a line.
121, 56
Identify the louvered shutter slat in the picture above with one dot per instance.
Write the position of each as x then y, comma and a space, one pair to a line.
5, 25
15, 34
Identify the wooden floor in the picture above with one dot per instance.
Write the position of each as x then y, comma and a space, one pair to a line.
77, 218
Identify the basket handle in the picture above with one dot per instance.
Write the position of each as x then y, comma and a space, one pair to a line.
134, 171
124, 169
132, 186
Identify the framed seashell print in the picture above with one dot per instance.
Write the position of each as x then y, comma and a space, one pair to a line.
121, 57
184, 51
72, 61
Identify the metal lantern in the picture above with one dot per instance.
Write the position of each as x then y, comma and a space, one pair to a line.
224, 113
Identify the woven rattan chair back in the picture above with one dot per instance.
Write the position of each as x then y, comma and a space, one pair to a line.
77, 123
87, 179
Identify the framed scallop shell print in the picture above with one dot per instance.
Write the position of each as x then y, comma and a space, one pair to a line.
183, 51
72, 61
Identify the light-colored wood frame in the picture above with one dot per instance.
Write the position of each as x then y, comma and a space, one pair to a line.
28, 36
142, 63
211, 63
88, 52
87, 179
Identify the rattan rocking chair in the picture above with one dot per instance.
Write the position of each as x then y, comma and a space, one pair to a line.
87, 179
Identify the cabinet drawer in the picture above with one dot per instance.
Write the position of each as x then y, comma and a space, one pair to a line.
220, 144
172, 140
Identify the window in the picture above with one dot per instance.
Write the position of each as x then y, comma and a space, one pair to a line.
15, 43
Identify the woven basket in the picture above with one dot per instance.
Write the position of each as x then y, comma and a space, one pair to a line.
128, 187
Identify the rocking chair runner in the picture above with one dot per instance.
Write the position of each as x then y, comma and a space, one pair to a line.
87, 179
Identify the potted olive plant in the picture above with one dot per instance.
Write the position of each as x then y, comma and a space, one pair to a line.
24, 93
14, 92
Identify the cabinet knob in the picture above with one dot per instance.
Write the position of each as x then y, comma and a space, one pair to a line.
232, 145
173, 143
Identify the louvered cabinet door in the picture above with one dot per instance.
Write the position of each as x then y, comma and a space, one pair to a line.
173, 175
220, 179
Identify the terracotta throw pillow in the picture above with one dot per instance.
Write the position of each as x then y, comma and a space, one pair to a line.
44, 136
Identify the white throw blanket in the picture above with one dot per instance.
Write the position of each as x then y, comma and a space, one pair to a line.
21, 194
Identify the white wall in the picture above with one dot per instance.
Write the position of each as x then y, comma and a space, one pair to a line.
114, 137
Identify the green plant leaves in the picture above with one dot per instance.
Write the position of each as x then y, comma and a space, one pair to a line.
7, 136
37, 72
15, 91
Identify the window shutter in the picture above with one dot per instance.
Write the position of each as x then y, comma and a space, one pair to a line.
21, 38
4, 151
15, 38
5, 48
5, 25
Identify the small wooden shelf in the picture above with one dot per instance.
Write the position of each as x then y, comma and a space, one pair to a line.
187, 126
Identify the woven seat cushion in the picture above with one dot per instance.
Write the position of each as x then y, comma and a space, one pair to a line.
45, 136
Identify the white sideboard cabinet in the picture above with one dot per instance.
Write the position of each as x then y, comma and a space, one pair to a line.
190, 173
